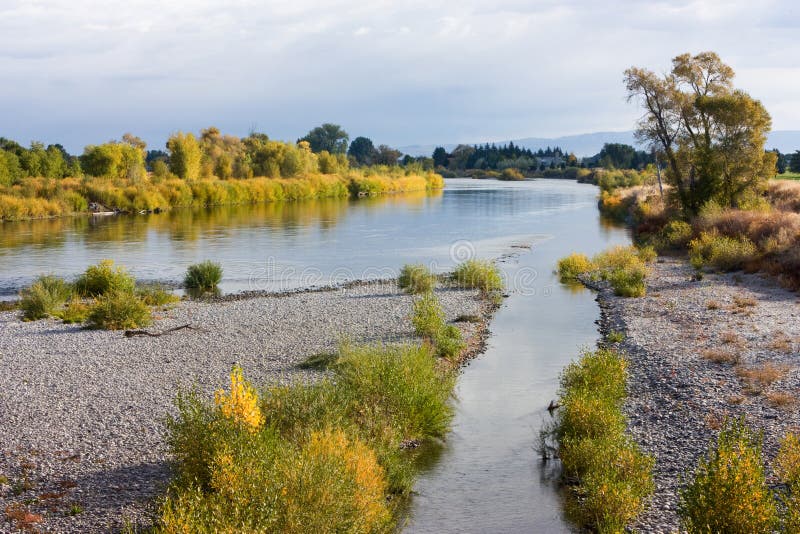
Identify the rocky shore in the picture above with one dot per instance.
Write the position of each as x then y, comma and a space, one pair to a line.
81, 412
727, 345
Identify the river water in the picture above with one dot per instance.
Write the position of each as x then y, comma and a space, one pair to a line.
487, 476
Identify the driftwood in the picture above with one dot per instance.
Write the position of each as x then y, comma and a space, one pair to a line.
131, 333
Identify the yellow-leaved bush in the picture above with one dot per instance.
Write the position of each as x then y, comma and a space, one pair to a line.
241, 404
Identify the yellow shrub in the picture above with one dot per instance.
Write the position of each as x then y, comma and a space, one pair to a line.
241, 404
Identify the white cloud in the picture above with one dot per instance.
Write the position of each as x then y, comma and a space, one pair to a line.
400, 72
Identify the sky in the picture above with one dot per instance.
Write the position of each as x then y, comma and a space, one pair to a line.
414, 72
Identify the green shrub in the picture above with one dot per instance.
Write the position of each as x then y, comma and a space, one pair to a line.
329, 457
44, 297
428, 316
416, 279
676, 234
787, 467
429, 322
628, 281
613, 475
721, 252
574, 265
203, 276
478, 274
104, 278
156, 295
76, 311
728, 492
119, 310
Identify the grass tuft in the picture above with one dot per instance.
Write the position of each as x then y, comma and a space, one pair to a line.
429, 322
104, 278
119, 310
574, 265
44, 297
478, 274
204, 276
416, 279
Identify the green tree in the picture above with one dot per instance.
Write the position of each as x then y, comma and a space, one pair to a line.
780, 161
794, 162
711, 134
10, 170
362, 150
440, 157
184, 155
387, 155
328, 137
113, 159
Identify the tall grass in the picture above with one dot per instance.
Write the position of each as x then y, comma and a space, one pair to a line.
308, 457
416, 278
44, 297
611, 476
429, 322
478, 274
203, 276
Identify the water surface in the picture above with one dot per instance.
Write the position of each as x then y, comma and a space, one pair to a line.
487, 476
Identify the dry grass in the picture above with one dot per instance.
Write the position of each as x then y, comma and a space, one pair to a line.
735, 399
715, 421
713, 305
744, 302
732, 338
781, 343
758, 377
784, 194
781, 399
720, 356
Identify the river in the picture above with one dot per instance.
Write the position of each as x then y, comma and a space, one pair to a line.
487, 476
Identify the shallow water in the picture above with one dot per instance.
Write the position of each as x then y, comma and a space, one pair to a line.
487, 476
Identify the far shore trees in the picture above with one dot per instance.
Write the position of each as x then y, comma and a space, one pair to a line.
712, 135
184, 155
330, 137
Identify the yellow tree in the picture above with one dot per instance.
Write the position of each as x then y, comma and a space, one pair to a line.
185, 155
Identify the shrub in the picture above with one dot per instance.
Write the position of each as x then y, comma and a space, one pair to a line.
479, 274
676, 234
721, 252
428, 316
628, 281
203, 276
429, 322
570, 267
787, 467
613, 476
76, 311
728, 492
511, 174
307, 457
44, 297
416, 279
118, 310
155, 295
104, 278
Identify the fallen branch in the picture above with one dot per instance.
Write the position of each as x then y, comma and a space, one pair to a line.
132, 333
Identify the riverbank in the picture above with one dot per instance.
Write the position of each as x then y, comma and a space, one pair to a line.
700, 351
83, 438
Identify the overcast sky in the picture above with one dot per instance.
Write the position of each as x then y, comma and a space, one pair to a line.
86, 71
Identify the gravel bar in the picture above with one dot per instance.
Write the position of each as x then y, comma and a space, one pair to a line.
82, 411
677, 397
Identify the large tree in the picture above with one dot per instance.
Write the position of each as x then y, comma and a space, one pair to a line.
362, 150
328, 137
711, 135
794, 162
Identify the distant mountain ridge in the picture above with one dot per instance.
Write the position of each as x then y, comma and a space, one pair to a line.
589, 144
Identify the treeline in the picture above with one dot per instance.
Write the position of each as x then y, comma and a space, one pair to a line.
492, 157
208, 169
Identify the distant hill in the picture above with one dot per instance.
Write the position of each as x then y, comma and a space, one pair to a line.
590, 144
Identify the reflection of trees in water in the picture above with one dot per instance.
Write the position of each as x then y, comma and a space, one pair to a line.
190, 224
